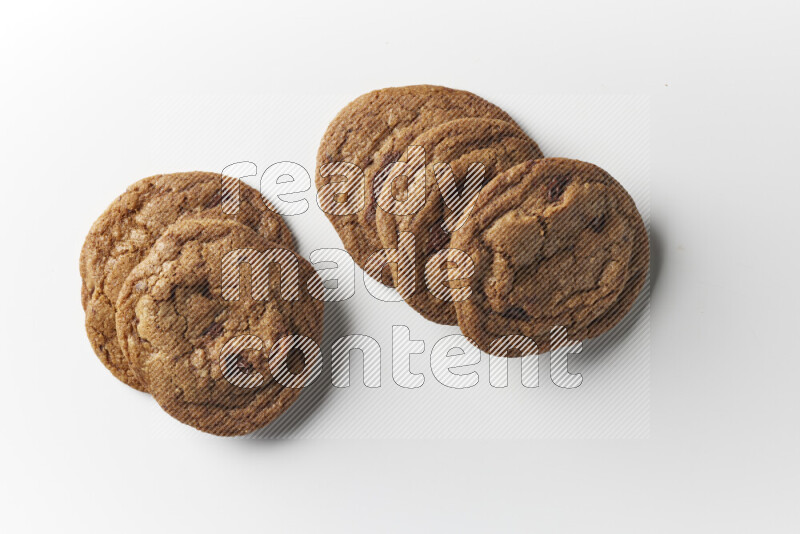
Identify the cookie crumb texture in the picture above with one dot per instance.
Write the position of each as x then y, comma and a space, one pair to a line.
173, 323
124, 233
556, 243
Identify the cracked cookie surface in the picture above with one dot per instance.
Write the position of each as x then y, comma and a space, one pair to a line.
121, 237
497, 145
181, 322
555, 243
383, 121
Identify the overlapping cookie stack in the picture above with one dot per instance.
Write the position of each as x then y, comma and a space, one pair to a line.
434, 191
151, 267
552, 243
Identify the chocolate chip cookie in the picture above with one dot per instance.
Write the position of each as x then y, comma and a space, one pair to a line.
381, 122
205, 345
460, 156
555, 243
121, 237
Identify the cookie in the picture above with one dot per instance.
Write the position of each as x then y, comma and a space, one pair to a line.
555, 243
496, 144
124, 233
200, 342
383, 121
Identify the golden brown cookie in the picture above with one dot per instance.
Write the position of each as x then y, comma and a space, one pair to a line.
202, 342
124, 233
556, 243
380, 122
495, 144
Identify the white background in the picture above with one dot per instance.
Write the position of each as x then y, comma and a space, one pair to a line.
78, 87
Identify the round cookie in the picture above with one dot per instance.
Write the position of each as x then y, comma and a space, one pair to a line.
496, 144
185, 325
123, 234
383, 121
555, 243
